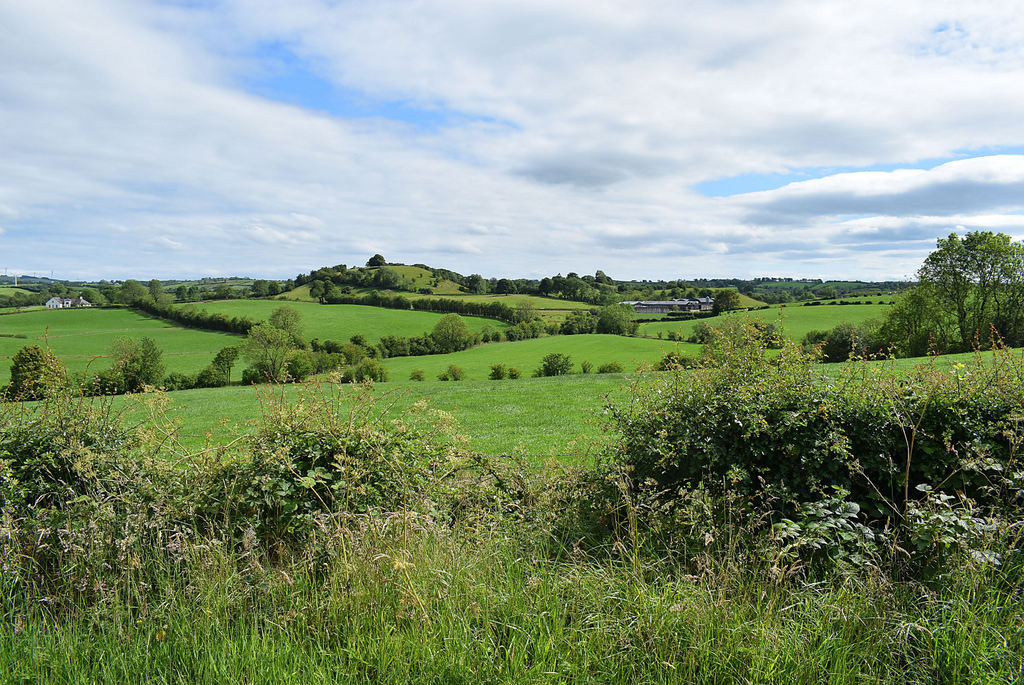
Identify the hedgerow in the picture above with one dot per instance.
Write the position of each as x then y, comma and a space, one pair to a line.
779, 430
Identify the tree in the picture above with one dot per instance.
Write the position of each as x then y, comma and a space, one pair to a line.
225, 359
317, 289
267, 348
505, 287
259, 288
131, 290
288, 319
376, 260
554, 364
156, 289
181, 293
726, 299
92, 295
979, 280
451, 334
138, 363
616, 319
34, 373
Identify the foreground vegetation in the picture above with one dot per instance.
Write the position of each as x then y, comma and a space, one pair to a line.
859, 527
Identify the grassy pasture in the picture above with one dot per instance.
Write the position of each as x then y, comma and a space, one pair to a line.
421, 278
548, 308
11, 290
81, 338
342, 321
796, 319
537, 417
540, 417
527, 354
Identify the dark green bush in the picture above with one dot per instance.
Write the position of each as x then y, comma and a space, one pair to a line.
554, 364
766, 427
368, 369
610, 367
498, 371
452, 373
56, 452
184, 381
307, 457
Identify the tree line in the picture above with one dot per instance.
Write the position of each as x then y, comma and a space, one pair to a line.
969, 296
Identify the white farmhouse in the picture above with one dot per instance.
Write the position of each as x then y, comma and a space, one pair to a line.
67, 302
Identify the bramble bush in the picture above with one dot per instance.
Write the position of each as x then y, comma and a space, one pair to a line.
776, 428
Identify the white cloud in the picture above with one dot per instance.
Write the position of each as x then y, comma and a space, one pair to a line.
574, 134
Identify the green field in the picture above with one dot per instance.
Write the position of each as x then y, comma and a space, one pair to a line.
341, 321
557, 417
11, 290
796, 319
421, 278
81, 338
541, 418
526, 355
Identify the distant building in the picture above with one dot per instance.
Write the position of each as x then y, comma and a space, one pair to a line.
686, 304
67, 302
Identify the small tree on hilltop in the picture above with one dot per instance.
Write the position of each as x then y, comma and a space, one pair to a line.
376, 260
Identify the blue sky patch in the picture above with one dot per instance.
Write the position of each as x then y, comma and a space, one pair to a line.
752, 183
288, 78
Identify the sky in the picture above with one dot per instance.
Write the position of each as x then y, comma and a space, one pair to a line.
649, 139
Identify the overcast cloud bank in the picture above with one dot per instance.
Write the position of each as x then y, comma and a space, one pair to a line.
507, 138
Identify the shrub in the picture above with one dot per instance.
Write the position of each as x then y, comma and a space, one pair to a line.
307, 457
366, 370
610, 367
579, 322
513, 372
452, 373
35, 373
586, 367
300, 365
183, 381
554, 364
676, 360
417, 375
57, 454
498, 372
775, 428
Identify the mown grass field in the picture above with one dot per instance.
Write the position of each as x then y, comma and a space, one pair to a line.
81, 338
797, 320
341, 321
